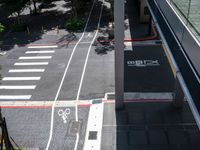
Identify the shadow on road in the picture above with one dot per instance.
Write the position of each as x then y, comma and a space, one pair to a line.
44, 27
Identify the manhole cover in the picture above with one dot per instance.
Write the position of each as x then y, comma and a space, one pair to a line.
74, 127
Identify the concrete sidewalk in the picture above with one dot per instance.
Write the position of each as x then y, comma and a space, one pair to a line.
149, 126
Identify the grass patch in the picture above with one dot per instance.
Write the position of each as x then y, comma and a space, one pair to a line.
2, 28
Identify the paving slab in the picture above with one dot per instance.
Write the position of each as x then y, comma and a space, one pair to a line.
30, 128
140, 130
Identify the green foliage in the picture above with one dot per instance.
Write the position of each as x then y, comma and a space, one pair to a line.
2, 28
19, 27
74, 25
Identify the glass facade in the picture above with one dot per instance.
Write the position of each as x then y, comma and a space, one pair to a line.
189, 11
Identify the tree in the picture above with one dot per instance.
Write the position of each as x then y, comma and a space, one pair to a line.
14, 6
34, 2
112, 9
35, 8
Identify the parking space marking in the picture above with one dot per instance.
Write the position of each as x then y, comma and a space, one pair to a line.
17, 87
20, 78
39, 52
36, 57
15, 97
31, 63
43, 46
25, 70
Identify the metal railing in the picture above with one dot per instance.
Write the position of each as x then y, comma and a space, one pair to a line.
185, 73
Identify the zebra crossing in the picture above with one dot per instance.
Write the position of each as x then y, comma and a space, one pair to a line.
21, 72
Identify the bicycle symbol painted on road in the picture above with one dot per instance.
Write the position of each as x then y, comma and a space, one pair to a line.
64, 114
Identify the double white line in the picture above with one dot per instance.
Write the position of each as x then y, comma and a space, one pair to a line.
80, 85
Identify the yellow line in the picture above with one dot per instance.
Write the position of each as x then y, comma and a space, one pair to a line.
170, 62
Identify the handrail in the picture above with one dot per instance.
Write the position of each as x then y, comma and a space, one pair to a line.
179, 76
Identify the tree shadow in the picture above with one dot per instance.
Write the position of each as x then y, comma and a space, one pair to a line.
103, 45
67, 39
37, 26
47, 22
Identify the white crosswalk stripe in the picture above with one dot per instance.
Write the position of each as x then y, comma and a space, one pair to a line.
39, 52
43, 46
25, 70
20, 78
6, 97
17, 87
28, 61
31, 63
36, 57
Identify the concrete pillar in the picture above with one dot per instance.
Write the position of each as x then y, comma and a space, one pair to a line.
178, 93
119, 52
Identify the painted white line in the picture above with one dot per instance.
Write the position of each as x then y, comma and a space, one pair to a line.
17, 87
31, 63
94, 125
66, 69
148, 95
20, 78
87, 144
128, 44
85, 42
40, 46
86, 60
15, 96
59, 104
39, 52
36, 57
25, 70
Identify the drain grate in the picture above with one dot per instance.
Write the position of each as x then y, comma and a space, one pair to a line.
92, 135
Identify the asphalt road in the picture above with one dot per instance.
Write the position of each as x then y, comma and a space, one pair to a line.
147, 70
30, 127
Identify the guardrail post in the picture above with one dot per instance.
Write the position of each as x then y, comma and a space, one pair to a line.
178, 94
119, 52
